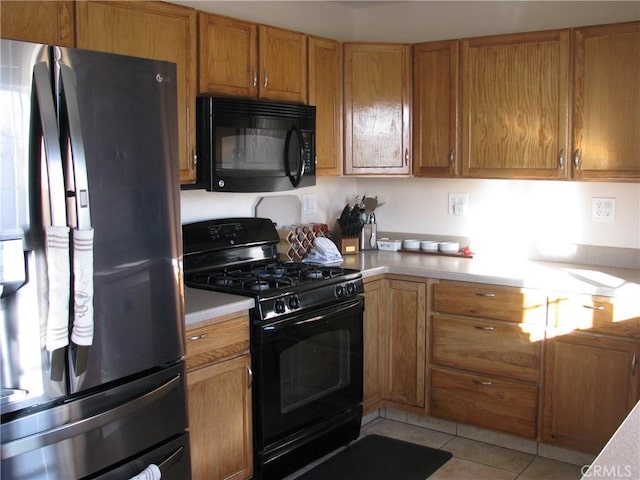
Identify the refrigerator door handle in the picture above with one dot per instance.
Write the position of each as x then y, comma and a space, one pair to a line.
76, 146
83, 314
50, 135
73, 429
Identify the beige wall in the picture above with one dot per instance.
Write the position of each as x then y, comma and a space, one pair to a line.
503, 213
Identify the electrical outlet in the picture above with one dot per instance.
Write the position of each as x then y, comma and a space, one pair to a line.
603, 209
458, 203
309, 203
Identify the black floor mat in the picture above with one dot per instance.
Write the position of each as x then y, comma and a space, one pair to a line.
375, 457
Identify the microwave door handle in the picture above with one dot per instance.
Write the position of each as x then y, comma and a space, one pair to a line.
295, 179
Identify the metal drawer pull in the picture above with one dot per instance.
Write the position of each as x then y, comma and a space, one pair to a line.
198, 337
484, 327
633, 364
482, 382
250, 373
486, 295
599, 308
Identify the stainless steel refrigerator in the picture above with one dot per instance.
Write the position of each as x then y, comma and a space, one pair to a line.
91, 310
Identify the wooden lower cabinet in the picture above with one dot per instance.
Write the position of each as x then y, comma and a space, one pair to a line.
591, 384
219, 398
373, 344
220, 420
486, 351
484, 401
405, 338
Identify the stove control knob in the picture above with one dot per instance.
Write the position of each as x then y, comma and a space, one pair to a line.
279, 306
351, 289
339, 291
294, 302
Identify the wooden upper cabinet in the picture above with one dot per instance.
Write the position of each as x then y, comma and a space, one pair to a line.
244, 59
606, 115
228, 56
436, 109
377, 109
156, 30
515, 108
283, 64
325, 92
48, 22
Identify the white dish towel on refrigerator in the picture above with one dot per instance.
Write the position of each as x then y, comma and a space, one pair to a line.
82, 331
152, 472
58, 274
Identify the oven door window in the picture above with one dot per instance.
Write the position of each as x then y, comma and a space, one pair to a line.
314, 368
310, 368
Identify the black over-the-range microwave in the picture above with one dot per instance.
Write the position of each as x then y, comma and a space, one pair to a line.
254, 146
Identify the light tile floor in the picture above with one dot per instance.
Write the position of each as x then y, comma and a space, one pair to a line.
471, 459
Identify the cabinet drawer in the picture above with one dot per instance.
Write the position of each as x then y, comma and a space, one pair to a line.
217, 341
484, 401
490, 347
490, 301
613, 316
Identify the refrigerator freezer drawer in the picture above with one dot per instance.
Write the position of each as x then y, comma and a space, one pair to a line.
172, 459
91, 434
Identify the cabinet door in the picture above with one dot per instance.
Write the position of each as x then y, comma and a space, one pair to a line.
606, 116
154, 30
228, 56
591, 385
515, 106
435, 109
325, 92
377, 100
406, 339
373, 320
220, 420
283, 64
48, 22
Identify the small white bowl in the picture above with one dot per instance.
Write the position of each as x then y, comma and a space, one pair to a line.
449, 247
428, 246
411, 244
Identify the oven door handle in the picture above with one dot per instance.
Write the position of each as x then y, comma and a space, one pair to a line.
313, 317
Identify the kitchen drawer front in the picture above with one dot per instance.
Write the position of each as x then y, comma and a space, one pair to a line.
608, 315
490, 347
217, 341
490, 301
484, 402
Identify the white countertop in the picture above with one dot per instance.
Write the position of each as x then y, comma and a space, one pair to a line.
203, 305
564, 277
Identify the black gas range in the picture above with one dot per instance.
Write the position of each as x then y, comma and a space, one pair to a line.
240, 256
306, 339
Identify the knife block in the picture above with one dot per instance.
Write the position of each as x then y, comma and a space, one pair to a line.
347, 245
